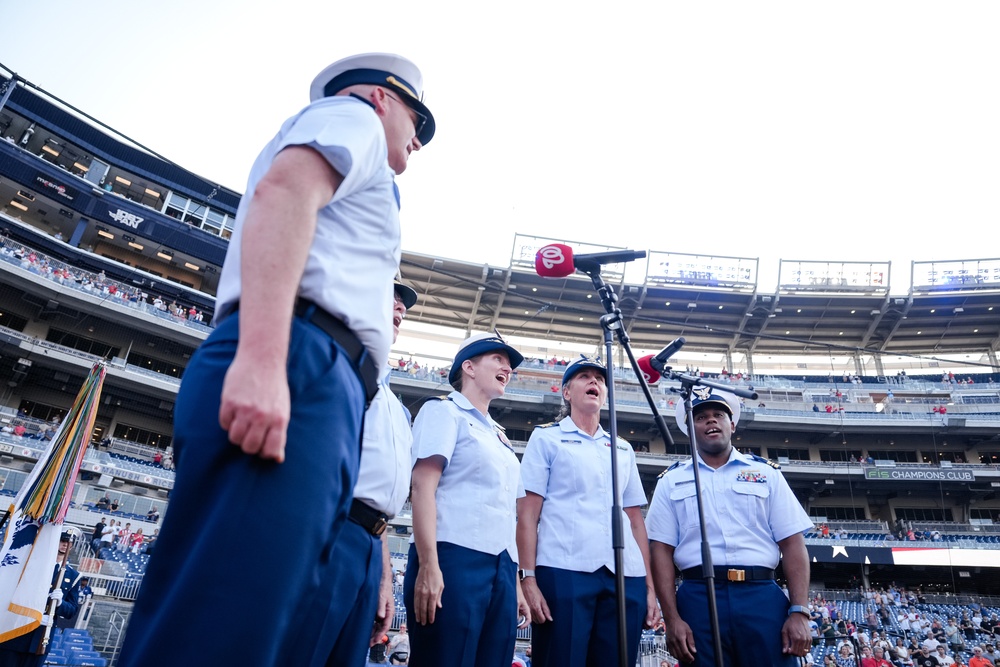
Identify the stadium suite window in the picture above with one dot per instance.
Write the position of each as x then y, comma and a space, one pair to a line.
838, 513
792, 454
195, 215
214, 222
176, 205
842, 455
142, 436
81, 343
41, 410
923, 514
892, 455
990, 515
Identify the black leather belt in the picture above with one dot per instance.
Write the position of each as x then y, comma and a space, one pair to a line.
362, 362
733, 573
368, 518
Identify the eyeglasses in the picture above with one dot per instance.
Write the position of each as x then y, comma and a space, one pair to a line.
419, 122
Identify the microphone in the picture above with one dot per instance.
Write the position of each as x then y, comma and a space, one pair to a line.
556, 260
651, 374
660, 360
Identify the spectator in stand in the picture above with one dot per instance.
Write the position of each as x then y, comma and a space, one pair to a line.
942, 656
880, 659
967, 628
991, 654
114, 505
95, 538
925, 658
136, 540
845, 657
104, 503
901, 653
399, 647
108, 537
153, 515
124, 537
977, 659
158, 457
150, 544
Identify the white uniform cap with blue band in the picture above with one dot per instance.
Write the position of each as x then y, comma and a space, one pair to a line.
378, 69
703, 395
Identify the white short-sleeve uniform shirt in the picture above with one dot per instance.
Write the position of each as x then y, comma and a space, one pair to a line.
748, 508
571, 470
481, 481
384, 472
356, 249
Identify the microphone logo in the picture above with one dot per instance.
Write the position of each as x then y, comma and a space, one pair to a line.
551, 256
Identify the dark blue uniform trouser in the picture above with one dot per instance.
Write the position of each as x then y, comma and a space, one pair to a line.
751, 615
583, 631
246, 546
477, 622
345, 621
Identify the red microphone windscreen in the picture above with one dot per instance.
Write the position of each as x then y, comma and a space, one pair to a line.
648, 372
554, 261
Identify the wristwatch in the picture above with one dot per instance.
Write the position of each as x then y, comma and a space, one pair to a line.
799, 609
521, 574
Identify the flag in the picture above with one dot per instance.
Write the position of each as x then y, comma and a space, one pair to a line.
31, 535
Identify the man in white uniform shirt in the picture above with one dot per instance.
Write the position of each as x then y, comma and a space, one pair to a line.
363, 547
751, 518
268, 419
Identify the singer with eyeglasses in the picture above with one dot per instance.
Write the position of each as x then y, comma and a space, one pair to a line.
463, 600
564, 534
268, 418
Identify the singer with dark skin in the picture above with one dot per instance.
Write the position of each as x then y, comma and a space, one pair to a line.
752, 518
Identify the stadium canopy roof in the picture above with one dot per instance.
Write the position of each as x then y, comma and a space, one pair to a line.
735, 319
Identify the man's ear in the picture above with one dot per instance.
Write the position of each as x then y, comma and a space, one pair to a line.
378, 98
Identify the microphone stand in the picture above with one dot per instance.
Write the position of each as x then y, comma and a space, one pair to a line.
612, 321
688, 383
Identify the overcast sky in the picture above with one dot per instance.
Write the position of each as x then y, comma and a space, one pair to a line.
797, 130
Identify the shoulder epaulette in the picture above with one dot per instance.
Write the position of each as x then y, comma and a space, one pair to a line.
446, 397
761, 459
547, 425
675, 464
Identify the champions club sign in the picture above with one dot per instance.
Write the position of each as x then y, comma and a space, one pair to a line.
919, 475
